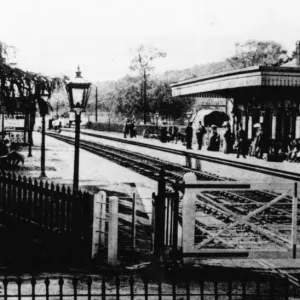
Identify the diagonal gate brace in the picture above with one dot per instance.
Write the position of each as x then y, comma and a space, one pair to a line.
244, 219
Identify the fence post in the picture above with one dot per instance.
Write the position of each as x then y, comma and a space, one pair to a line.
133, 233
113, 231
188, 214
103, 205
96, 224
153, 221
294, 219
198, 164
188, 161
160, 217
175, 222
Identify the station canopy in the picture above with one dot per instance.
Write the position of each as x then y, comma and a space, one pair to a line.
228, 84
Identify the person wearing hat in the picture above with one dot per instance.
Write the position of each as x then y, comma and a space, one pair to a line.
228, 139
214, 142
261, 143
200, 133
132, 131
173, 131
4, 148
126, 128
164, 132
189, 135
241, 141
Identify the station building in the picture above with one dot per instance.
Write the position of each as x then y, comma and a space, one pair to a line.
259, 94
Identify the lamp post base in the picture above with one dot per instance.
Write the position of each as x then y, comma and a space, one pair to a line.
76, 155
43, 174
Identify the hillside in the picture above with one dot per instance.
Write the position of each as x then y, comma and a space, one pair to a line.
60, 104
169, 76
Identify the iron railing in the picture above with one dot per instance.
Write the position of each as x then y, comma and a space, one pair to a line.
51, 211
146, 287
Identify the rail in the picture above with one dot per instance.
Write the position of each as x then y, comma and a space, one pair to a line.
241, 165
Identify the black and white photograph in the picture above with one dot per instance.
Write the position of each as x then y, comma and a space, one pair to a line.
149, 149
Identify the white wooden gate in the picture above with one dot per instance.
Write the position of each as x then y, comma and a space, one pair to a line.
261, 227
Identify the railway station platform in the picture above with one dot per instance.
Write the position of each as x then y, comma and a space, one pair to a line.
95, 173
226, 165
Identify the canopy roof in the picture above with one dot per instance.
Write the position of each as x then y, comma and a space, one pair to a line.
226, 82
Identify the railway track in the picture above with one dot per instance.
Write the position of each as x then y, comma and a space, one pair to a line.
221, 161
272, 227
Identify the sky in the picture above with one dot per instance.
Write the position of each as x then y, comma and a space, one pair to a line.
53, 37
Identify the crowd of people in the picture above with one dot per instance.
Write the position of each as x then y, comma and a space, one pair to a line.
129, 129
232, 143
293, 146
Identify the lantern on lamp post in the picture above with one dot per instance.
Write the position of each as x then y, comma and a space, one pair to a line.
78, 91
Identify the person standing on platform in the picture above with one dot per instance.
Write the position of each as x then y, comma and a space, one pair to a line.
164, 133
261, 143
126, 128
241, 142
214, 142
173, 131
289, 144
227, 140
200, 133
132, 130
4, 148
189, 135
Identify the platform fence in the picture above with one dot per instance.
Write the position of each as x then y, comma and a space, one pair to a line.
52, 212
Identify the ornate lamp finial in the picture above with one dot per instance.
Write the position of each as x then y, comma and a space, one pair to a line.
78, 73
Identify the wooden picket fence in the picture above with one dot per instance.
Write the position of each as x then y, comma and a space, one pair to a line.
50, 212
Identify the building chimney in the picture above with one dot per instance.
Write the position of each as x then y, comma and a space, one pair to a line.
298, 53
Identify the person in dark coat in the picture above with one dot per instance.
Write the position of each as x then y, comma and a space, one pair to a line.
189, 135
173, 131
164, 133
228, 140
214, 142
132, 131
4, 148
200, 133
241, 142
290, 143
126, 128
261, 143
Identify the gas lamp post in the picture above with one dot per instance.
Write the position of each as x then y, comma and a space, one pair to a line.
78, 91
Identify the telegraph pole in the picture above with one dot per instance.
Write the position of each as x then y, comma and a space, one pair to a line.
145, 96
96, 106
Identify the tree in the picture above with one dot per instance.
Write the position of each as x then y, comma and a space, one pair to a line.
21, 91
125, 98
252, 53
143, 63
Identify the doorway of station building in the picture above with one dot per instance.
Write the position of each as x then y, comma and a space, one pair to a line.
267, 123
286, 121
